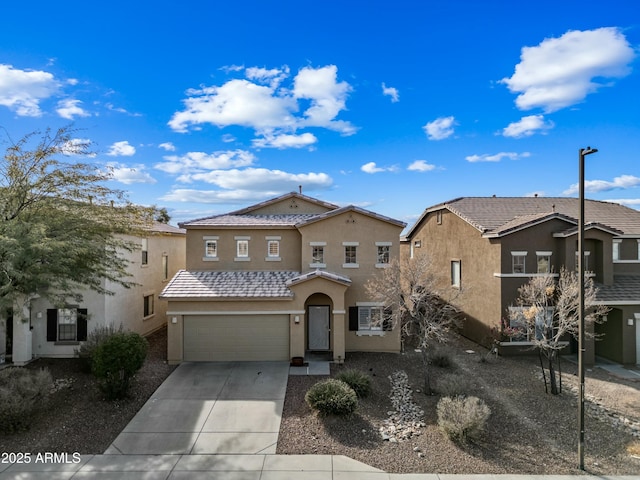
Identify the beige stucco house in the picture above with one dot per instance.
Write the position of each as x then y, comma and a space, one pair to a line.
279, 279
58, 332
488, 247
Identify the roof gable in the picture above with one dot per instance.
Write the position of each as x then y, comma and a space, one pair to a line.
290, 203
351, 208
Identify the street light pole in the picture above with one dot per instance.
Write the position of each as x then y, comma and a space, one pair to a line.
583, 152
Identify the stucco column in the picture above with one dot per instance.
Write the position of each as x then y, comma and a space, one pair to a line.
175, 340
22, 341
296, 335
338, 335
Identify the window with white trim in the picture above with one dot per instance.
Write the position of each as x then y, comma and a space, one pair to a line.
148, 305
587, 254
350, 254
528, 331
273, 248
67, 324
384, 252
518, 262
211, 248
456, 274
370, 318
317, 255
145, 252
242, 248
616, 249
543, 262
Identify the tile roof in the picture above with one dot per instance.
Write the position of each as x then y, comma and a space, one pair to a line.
319, 274
501, 215
624, 291
166, 228
231, 220
229, 284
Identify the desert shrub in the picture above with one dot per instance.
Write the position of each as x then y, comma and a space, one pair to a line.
462, 418
441, 357
22, 391
452, 385
116, 360
332, 397
95, 338
359, 381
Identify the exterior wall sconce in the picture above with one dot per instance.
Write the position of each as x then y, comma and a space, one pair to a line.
296, 319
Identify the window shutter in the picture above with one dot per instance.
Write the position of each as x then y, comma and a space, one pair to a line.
52, 325
82, 324
353, 319
387, 322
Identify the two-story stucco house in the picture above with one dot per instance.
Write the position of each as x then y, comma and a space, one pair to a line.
279, 279
489, 247
58, 332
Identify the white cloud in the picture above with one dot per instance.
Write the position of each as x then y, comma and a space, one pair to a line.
421, 166
497, 157
70, 108
269, 109
168, 146
527, 126
130, 174
263, 179
198, 162
22, 90
622, 182
77, 147
285, 141
328, 97
440, 128
371, 168
391, 92
216, 196
121, 149
629, 202
228, 138
560, 72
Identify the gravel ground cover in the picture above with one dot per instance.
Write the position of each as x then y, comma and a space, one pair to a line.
76, 418
528, 431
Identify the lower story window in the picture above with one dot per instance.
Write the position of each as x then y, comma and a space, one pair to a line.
369, 318
66, 324
529, 323
148, 305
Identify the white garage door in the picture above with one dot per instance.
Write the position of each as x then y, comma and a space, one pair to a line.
236, 338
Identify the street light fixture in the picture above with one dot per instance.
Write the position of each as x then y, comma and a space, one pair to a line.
583, 152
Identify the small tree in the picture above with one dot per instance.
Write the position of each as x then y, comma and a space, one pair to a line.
548, 313
425, 314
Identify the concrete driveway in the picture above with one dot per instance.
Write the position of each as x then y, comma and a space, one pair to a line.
210, 408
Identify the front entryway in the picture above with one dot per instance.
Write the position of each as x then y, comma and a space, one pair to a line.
319, 327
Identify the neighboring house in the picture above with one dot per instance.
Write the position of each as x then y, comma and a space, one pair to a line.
58, 332
489, 247
281, 278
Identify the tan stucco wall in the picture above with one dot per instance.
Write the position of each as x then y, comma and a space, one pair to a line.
227, 250
480, 294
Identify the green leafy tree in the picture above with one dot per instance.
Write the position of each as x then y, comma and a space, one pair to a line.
61, 227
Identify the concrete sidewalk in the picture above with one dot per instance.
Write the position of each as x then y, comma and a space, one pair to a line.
238, 467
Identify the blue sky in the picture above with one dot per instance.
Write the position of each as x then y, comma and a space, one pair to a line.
205, 107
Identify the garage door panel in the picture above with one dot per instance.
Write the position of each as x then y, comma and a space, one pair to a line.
236, 338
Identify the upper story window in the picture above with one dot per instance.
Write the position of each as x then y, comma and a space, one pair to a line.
145, 252
350, 255
273, 249
456, 273
544, 262
317, 254
148, 307
384, 253
211, 248
518, 262
165, 266
242, 249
